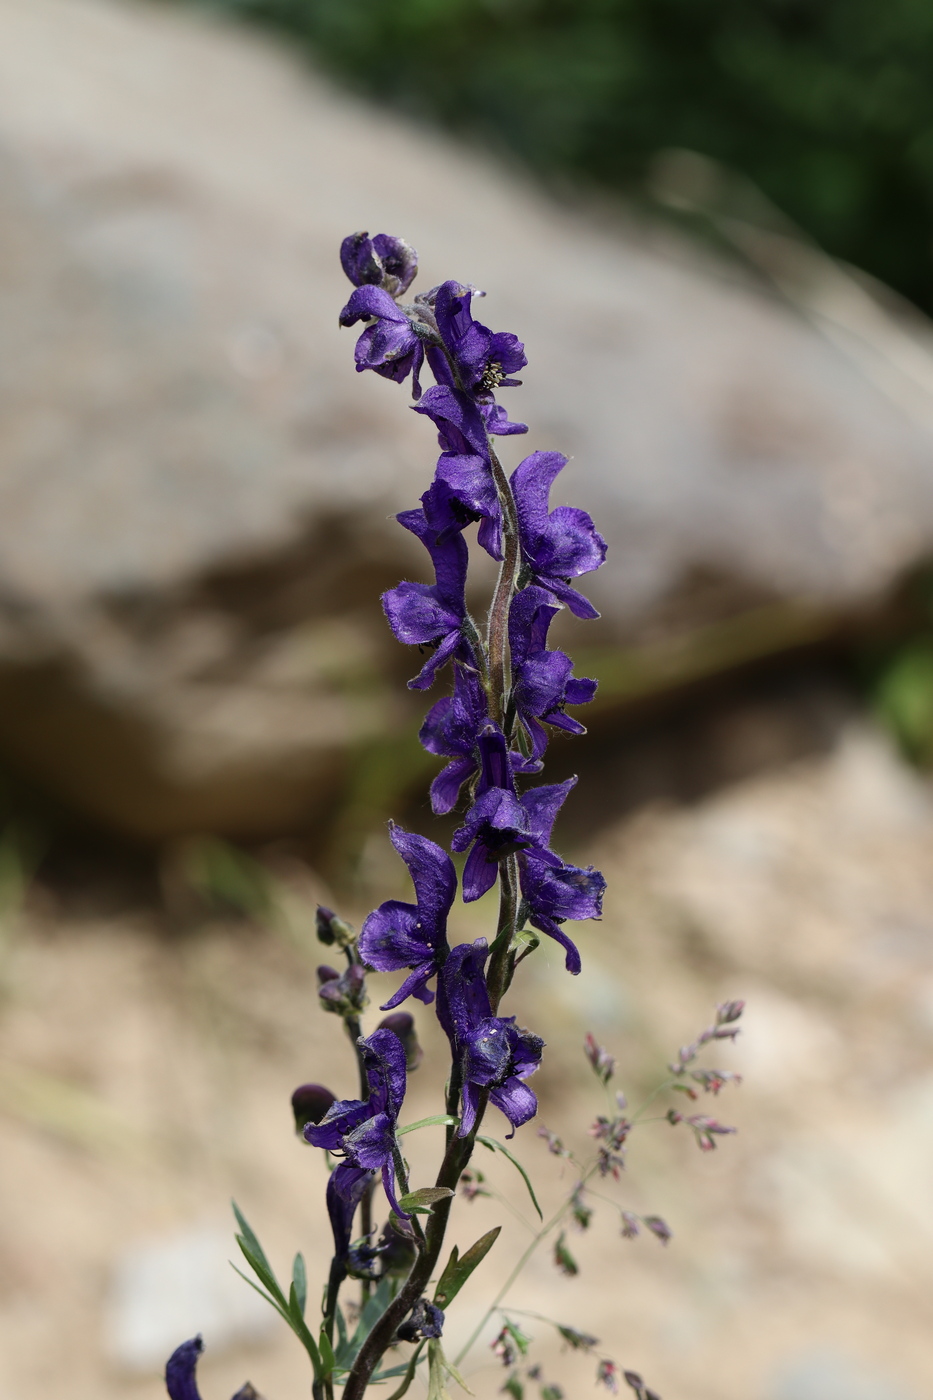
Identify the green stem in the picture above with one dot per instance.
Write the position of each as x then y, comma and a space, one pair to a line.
523, 1259
498, 620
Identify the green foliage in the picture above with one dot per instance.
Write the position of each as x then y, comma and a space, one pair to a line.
903, 696
826, 105
459, 1270
495, 1146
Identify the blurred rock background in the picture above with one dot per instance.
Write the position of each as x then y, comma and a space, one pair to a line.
203, 720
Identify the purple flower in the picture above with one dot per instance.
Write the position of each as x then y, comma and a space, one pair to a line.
346, 1187
422, 614
383, 261
483, 360
461, 427
466, 480
413, 935
552, 890
501, 824
451, 727
390, 346
559, 545
363, 1130
492, 1052
180, 1378
542, 680
425, 1321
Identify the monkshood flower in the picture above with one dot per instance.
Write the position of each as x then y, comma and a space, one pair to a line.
363, 1131
383, 261
400, 935
464, 480
180, 1378
493, 1053
422, 614
558, 545
542, 681
501, 824
482, 360
390, 345
451, 728
424, 1322
346, 1187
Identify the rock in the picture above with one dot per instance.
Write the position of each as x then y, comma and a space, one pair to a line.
196, 489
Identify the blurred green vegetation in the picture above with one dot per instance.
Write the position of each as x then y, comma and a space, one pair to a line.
826, 105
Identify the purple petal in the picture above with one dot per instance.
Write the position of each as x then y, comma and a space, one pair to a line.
398, 258
498, 422
572, 954
433, 876
386, 1070
180, 1370
394, 936
339, 1120
372, 301
542, 804
360, 260
425, 677
346, 1187
495, 769
445, 789
370, 1145
531, 486
413, 986
516, 1101
388, 1185
580, 607
469, 1103
416, 614
462, 998
580, 691
460, 424
479, 872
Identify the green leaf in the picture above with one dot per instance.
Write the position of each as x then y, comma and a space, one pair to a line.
439, 1368
459, 1270
424, 1198
495, 1146
300, 1283
438, 1120
328, 1359
271, 1301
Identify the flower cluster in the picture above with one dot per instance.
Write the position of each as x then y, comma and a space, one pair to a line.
508, 692
494, 725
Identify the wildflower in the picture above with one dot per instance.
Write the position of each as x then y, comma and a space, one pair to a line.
482, 360
403, 1025
400, 935
705, 1129
309, 1104
607, 1374
658, 1227
633, 1379
542, 681
180, 1379
346, 1187
423, 1322
383, 261
331, 929
451, 728
343, 993
494, 1055
390, 344
363, 1131
579, 1210
500, 824
431, 615
559, 545
461, 427
604, 1064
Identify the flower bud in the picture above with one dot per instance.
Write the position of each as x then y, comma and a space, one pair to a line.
396, 1248
403, 1026
331, 929
383, 261
310, 1103
424, 1321
343, 995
